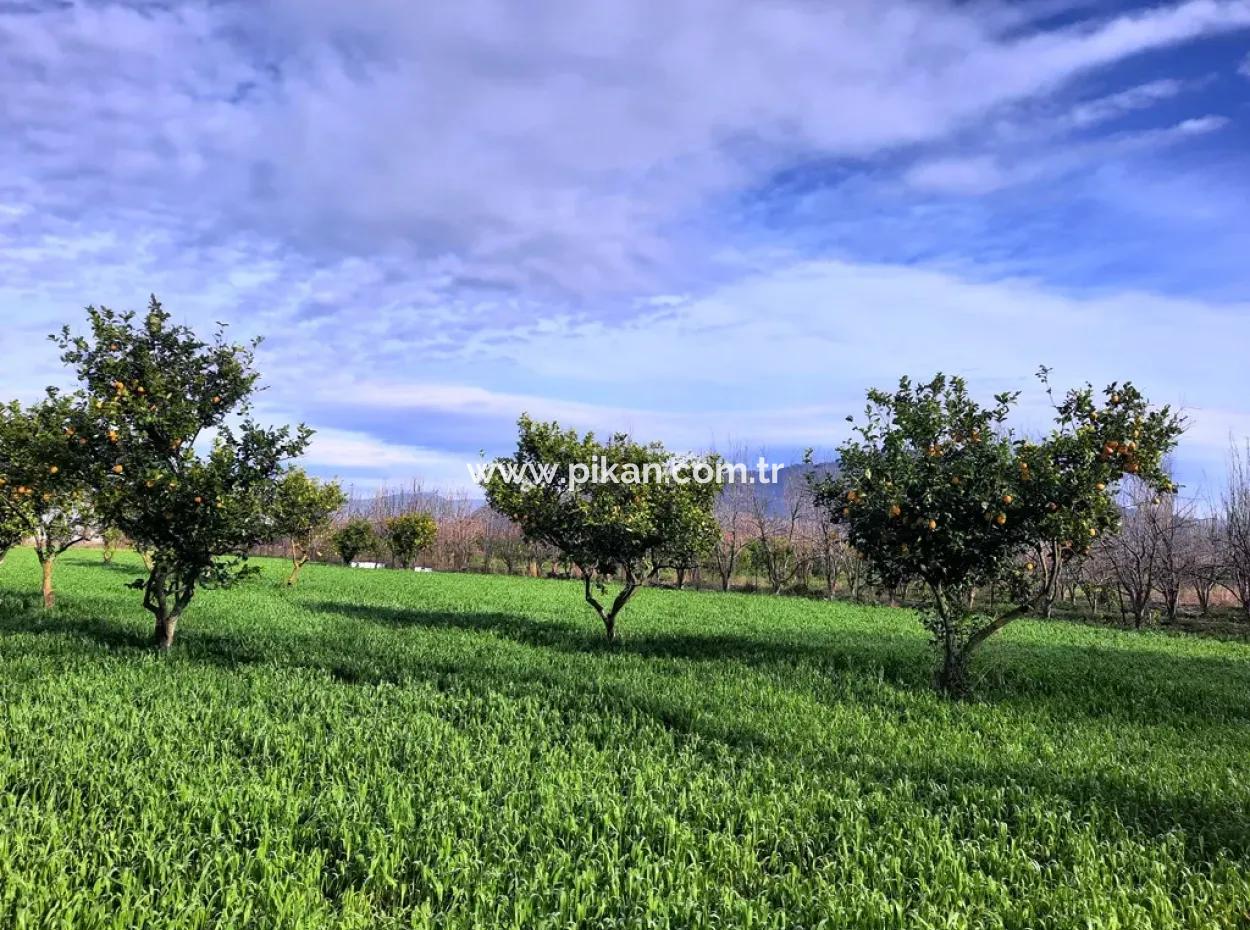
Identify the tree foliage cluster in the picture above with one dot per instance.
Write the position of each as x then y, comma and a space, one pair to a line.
606, 528
158, 445
936, 487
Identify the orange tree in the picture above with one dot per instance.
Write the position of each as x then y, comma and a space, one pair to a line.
11, 533
303, 509
353, 538
176, 461
934, 487
632, 520
409, 534
42, 494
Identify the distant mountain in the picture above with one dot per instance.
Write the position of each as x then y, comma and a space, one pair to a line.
790, 480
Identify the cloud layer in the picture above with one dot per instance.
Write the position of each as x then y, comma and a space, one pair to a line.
655, 215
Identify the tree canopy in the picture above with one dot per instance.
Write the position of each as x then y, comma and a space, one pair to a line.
409, 534
42, 490
353, 538
302, 511
935, 487
604, 527
175, 460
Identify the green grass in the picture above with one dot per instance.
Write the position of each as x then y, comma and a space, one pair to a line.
377, 749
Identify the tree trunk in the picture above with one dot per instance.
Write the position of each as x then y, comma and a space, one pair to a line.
157, 596
163, 637
49, 596
608, 615
952, 674
681, 578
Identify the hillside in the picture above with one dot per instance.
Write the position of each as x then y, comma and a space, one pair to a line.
381, 749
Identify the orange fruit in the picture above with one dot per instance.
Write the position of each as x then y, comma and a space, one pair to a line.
1001, 519
118, 469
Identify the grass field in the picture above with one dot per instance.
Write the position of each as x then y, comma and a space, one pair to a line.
377, 749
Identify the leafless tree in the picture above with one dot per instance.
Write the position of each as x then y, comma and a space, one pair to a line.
459, 531
1133, 554
733, 513
502, 540
1173, 524
780, 524
1209, 566
1236, 521
1095, 577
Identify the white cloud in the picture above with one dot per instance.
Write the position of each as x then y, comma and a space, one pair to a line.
781, 358
1112, 106
1200, 125
553, 149
362, 459
978, 174
1244, 69
1013, 165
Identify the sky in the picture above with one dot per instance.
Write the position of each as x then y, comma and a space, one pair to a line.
714, 224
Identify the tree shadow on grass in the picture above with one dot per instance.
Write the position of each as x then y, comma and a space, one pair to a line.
826, 648
1068, 680
1151, 811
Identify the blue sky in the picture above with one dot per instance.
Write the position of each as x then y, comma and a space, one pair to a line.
702, 222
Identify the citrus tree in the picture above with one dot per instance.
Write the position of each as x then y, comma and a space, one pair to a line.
42, 492
176, 461
111, 538
353, 538
11, 533
633, 525
409, 534
303, 509
935, 488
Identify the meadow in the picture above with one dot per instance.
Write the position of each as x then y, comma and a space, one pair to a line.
385, 749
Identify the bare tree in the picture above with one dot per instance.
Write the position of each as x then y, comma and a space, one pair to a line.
459, 530
1133, 554
780, 524
1209, 567
1095, 578
733, 513
1236, 523
1174, 527
502, 540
